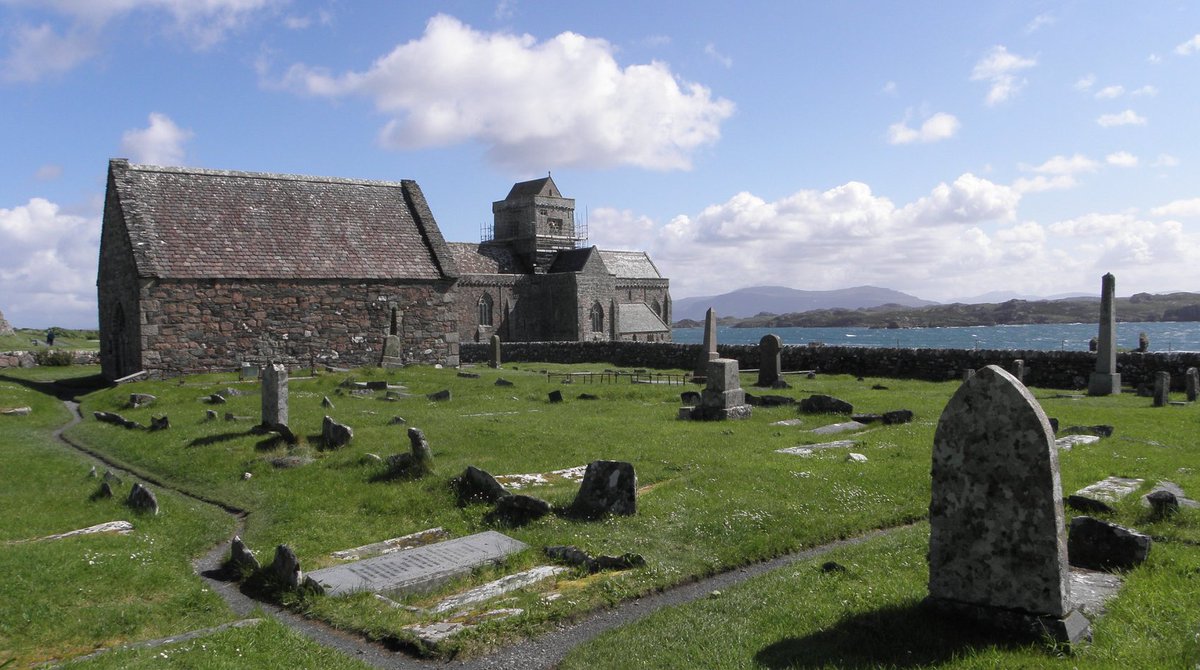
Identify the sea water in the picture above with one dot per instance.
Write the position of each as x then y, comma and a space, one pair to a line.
1164, 336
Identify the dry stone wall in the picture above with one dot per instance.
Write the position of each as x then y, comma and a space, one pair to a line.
1049, 369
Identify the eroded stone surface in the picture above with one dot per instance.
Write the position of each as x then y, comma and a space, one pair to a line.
275, 395
609, 487
838, 428
1065, 442
1099, 497
807, 449
498, 587
997, 537
1103, 545
1175, 490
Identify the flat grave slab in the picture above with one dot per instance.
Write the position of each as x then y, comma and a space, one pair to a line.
417, 569
1110, 490
1067, 441
1174, 489
838, 428
807, 449
788, 422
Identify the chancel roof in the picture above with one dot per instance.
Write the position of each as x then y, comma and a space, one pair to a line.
196, 223
637, 317
629, 264
484, 259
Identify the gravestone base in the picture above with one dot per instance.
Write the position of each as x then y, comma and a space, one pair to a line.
1070, 630
391, 362
733, 412
1104, 383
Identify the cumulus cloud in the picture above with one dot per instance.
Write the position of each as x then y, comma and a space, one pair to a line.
46, 49
48, 265
160, 143
1085, 82
969, 200
999, 68
562, 102
1066, 165
1040, 183
1125, 118
1179, 209
1189, 47
1121, 159
940, 126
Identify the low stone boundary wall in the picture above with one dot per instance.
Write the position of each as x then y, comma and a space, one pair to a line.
1048, 369
28, 359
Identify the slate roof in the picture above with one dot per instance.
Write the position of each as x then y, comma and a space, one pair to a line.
484, 259
528, 189
571, 260
637, 317
196, 223
629, 264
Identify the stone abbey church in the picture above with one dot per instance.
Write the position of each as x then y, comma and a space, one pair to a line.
206, 269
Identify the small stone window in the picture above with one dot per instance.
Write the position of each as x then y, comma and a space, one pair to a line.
597, 318
485, 310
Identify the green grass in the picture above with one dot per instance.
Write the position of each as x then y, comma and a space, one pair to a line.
21, 340
713, 496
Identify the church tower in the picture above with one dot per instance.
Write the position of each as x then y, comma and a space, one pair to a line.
535, 221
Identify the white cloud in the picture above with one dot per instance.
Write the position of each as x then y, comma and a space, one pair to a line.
940, 126
1043, 183
48, 265
969, 200
160, 143
1085, 82
1121, 159
576, 105
505, 10
1154, 59
1147, 90
1180, 209
1066, 165
710, 50
1040, 21
1165, 160
1189, 47
999, 67
1125, 118
889, 88
1110, 92
38, 51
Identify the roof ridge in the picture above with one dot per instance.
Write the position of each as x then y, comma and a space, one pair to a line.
268, 176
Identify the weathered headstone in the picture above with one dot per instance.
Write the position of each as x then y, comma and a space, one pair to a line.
240, 557
1192, 383
723, 397
1101, 545
709, 352
417, 569
555, 396
286, 567
494, 360
997, 542
1105, 380
476, 485
608, 487
419, 459
142, 499
518, 510
769, 365
1162, 388
275, 395
334, 434
1019, 369
140, 399
249, 371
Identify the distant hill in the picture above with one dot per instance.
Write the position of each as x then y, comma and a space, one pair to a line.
1004, 296
754, 300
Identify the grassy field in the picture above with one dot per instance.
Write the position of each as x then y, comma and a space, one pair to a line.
22, 340
712, 496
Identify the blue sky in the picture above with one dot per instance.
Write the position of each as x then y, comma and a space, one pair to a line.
941, 149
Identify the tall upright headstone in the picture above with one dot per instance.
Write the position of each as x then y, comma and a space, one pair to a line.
768, 360
1162, 389
1192, 383
1105, 380
275, 395
997, 543
494, 360
710, 344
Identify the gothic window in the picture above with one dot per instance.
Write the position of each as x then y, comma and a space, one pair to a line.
597, 318
485, 310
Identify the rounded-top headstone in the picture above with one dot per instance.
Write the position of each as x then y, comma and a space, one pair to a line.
997, 536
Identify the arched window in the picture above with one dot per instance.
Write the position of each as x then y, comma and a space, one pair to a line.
657, 308
597, 318
485, 310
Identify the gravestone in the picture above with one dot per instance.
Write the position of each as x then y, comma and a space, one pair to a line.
1192, 382
334, 434
1162, 389
1105, 380
1019, 369
275, 395
709, 352
286, 567
723, 397
142, 499
769, 365
997, 544
248, 371
417, 569
608, 487
494, 361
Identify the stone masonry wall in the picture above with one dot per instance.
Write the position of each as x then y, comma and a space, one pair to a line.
194, 325
27, 359
1049, 369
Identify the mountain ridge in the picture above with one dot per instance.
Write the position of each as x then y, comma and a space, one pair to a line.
753, 300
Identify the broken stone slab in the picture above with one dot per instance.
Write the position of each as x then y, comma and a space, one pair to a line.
555, 396
807, 449
439, 396
824, 404
518, 510
116, 419
418, 539
419, 459
142, 499
432, 634
1100, 430
215, 399
1100, 496
574, 474
501, 381
334, 434
1164, 503
769, 400
1066, 442
159, 423
498, 587
286, 567
16, 411
834, 428
469, 375
856, 457
417, 569
788, 422
241, 559
476, 485
574, 556
1092, 589
897, 416
326, 402
1175, 490
608, 487
140, 399
1101, 545
118, 527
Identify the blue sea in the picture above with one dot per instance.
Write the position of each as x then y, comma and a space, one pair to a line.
1164, 337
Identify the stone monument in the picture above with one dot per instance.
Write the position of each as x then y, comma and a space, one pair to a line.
1105, 380
723, 397
710, 345
5, 328
1162, 389
494, 361
769, 366
1192, 382
275, 395
997, 543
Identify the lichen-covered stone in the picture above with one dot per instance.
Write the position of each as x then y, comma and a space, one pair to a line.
142, 499
286, 567
334, 434
476, 485
608, 487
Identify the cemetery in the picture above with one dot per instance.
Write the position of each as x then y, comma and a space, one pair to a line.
427, 513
